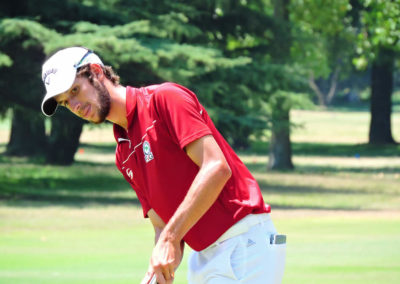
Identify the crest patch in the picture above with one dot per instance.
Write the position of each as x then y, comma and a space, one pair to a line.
148, 155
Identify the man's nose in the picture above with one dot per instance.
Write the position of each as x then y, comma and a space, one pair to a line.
75, 105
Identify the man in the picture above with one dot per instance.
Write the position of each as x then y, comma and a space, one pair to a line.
190, 183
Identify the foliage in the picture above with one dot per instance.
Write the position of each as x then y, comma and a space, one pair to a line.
21, 42
323, 44
236, 55
154, 45
5, 60
323, 35
379, 28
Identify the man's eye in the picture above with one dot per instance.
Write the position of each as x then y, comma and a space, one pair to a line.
75, 90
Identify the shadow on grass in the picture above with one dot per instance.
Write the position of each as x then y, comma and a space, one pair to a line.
316, 169
276, 206
96, 164
35, 200
323, 192
331, 150
108, 148
345, 150
31, 183
90, 183
28, 182
75, 191
357, 170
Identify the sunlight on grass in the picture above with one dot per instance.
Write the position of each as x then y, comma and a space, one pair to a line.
335, 126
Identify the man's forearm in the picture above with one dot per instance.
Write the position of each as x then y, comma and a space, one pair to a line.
203, 192
213, 173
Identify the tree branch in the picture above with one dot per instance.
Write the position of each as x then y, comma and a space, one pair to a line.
315, 88
334, 81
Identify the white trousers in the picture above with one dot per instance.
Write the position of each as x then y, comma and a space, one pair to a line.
244, 254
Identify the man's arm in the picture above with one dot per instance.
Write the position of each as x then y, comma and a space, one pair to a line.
158, 225
213, 173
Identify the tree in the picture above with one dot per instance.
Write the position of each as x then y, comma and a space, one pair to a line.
22, 77
249, 28
280, 153
323, 43
143, 46
378, 45
380, 131
22, 43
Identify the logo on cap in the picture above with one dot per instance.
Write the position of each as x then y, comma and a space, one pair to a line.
46, 75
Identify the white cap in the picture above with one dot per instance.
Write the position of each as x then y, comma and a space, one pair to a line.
59, 72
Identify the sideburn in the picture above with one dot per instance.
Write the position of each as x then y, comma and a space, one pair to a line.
104, 100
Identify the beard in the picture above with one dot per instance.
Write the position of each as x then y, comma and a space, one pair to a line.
104, 100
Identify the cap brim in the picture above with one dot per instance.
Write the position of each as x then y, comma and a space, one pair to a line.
60, 84
49, 106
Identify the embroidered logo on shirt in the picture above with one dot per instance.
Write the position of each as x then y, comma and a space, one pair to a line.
148, 155
129, 173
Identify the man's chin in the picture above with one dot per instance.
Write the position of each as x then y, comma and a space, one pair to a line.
98, 121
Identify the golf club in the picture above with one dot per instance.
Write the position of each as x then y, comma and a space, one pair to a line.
153, 280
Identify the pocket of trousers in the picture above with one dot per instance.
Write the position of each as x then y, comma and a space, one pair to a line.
238, 259
278, 254
214, 264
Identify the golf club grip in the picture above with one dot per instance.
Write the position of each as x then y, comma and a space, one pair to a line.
153, 280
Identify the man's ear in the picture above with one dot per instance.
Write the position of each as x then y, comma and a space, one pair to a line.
97, 70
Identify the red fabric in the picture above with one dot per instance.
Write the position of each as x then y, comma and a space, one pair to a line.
166, 118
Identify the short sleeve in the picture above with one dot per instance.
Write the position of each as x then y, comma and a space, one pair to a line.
181, 112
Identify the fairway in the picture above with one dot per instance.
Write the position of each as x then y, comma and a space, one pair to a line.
340, 208
342, 247
112, 244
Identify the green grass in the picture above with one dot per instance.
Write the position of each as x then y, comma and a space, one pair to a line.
340, 208
112, 244
318, 182
342, 248
70, 245
332, 126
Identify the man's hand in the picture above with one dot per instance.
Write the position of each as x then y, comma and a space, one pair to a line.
165, 259
166, 255
162, 267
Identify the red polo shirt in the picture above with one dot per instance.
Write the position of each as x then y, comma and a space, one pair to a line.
162, 120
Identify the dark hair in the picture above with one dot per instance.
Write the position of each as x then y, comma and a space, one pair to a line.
85, 71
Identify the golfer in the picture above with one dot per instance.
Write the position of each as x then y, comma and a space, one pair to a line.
189, 181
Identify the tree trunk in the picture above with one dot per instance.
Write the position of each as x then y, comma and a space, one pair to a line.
28, 137
280, 152
381, 98
283, 39
66, 130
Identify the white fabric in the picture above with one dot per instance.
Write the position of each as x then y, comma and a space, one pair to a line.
247, 257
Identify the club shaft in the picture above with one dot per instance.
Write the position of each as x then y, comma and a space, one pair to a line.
153, 280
